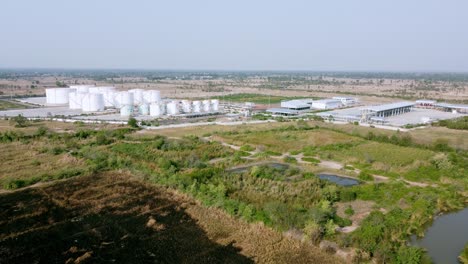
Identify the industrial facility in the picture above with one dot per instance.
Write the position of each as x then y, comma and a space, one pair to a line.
89, 103
92, 99
301, 106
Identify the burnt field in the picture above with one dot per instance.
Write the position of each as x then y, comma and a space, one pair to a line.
103, 218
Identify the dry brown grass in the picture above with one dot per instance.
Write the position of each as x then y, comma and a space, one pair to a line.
454, 138
257, 241
201, 130
288, 140
53, 126
21, 161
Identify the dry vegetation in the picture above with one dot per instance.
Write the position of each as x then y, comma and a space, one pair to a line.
284, 141
20, 161
111, 217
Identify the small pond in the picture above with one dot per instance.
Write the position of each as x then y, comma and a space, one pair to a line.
446, 238
340, 180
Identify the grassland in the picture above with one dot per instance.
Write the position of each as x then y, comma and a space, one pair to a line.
284, 141
29, 163
201, 131
237, 206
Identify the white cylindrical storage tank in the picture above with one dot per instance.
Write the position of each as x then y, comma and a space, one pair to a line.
126, 110
138, 97
57, 95
123, 98
72, 102
143, 109
76, 100
156, 109
206, 105
172, 108
93, 102
152, 96
93, 90
215, 105
196, 106
126, 103
109, 98
186, 106
163, 106
81, 88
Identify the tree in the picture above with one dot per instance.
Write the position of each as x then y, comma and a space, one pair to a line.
132, 122
19, 121
60, 84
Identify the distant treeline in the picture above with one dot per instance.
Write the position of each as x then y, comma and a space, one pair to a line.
207, 74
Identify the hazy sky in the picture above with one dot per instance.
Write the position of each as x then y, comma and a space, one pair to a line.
342, 35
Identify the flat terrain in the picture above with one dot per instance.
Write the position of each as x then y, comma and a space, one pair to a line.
240, 193
284, 141
111, 218
368, 87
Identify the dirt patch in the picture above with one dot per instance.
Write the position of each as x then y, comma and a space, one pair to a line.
361, 210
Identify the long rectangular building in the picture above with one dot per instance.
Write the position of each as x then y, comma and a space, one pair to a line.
460, 108
386, 110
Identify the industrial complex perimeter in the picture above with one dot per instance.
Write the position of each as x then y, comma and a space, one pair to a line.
88, 103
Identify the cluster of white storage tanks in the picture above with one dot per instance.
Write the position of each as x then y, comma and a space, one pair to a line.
183, 107
90, 98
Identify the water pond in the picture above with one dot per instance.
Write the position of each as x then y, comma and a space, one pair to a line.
446, 238
340, 180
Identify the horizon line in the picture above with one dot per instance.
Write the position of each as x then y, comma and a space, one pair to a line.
229, 70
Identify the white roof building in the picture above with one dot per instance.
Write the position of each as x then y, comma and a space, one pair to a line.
297, 104
346, 100
326, 104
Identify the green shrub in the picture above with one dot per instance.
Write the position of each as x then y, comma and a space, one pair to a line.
41, 131
364, 176
409, 255
247, 148
349, 211
290, 159
347, 195
311, 160
19, 121
132, 122
57, 150
102, 139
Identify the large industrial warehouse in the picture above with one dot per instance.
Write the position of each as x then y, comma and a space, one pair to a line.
388, 109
